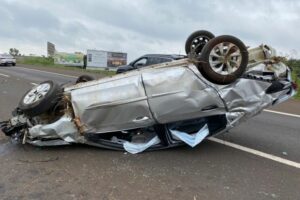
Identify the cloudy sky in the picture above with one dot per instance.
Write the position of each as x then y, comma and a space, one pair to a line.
145, 26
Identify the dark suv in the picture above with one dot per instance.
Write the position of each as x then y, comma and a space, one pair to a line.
149, 59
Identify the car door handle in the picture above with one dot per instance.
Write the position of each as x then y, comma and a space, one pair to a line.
140, 119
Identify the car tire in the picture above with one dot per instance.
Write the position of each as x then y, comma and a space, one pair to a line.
223, 60
14, 64
40, 98
196, 41
84, 78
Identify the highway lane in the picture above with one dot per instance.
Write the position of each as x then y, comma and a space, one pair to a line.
214, 171
11, 90
271, 133
36, 76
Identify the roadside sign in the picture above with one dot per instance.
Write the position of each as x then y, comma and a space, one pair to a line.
104, 59
68, 59
50, 49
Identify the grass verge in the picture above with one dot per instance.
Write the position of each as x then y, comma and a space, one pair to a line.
49, 63
297, 80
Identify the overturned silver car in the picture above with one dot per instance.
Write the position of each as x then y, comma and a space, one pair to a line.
219, 84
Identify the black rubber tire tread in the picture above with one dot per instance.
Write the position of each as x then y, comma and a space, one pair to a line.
44, 104
84, 78
207, 71
194, 35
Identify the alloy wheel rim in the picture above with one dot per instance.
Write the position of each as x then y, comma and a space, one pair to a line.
37, 93
225, 58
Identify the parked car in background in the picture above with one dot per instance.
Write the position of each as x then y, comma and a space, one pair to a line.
7, 59
149, 59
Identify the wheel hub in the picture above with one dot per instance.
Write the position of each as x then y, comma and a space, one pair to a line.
225, 58
36, 94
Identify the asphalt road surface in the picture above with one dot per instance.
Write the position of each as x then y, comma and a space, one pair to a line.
259, 159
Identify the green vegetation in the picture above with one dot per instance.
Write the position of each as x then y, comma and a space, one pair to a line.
294, 64
14, 52
297, 80
33, 60
49, 62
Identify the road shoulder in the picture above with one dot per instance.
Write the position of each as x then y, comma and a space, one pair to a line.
71, 71
291, 106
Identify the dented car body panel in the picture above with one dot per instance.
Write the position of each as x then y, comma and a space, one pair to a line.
140, 100
112, 105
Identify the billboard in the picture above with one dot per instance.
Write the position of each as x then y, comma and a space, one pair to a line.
104, 59
96, 58
50, 49
68, 59
115, 59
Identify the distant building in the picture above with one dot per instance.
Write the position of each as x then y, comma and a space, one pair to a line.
105, 59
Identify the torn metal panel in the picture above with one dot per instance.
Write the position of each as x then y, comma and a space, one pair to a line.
248, 96
43, 143
63, 129
279, 69
261, 53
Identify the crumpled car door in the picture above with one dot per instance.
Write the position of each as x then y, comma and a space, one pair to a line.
177, 93
117, 104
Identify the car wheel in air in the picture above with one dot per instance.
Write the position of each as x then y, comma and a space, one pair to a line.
40, 98
196, 41
223, 59
84, 78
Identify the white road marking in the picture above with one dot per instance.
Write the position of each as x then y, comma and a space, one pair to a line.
4, 75
282, 113
34, 84
255, 152
49, 72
